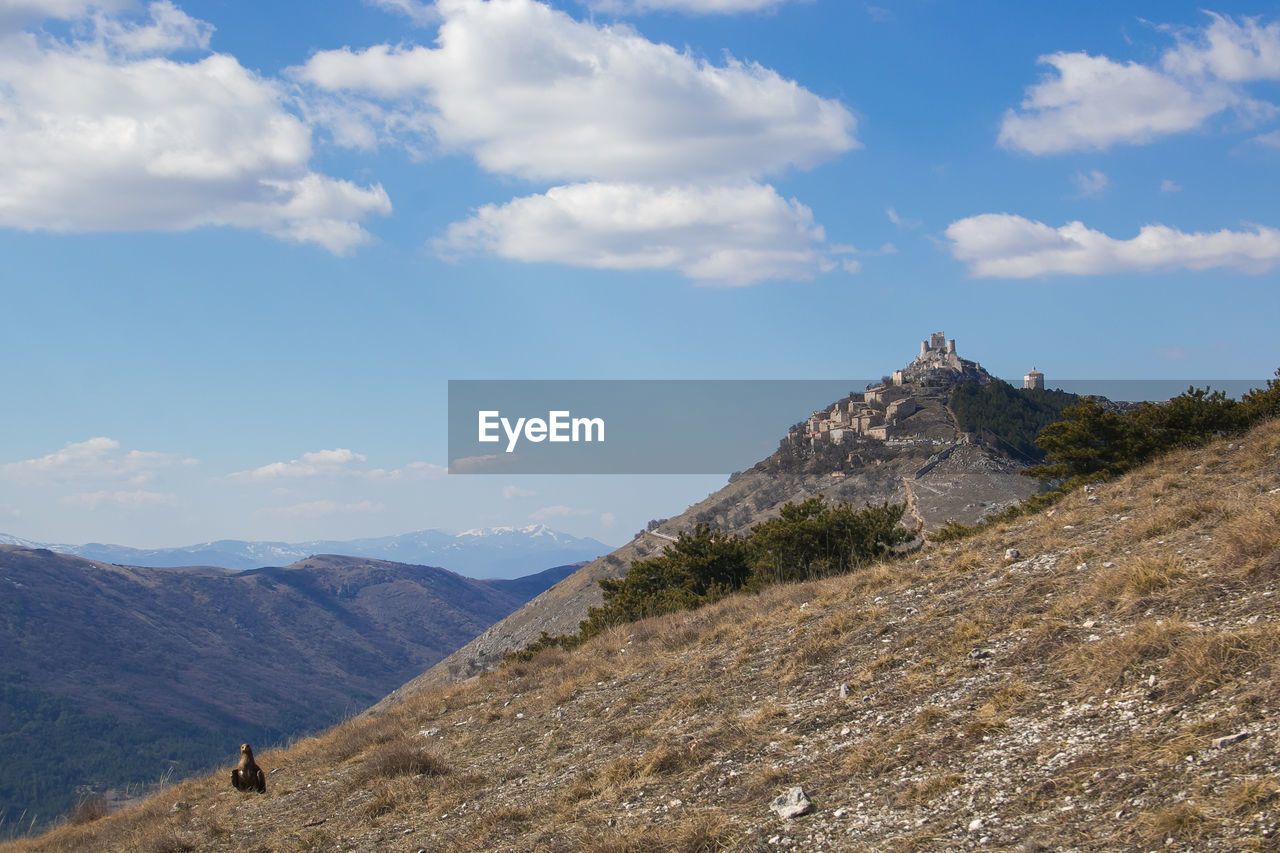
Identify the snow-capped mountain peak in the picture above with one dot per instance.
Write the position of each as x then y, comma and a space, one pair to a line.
481, 552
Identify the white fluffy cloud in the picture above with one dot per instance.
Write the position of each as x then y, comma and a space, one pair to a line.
128, 500
901, 221
101, 134
95, 459
665, 149
339, 462
15, 14
1268, 140
1091, 184
319, 463
696, 7
413, 471
1228, 50
420, 13
1001, 245
531, 92
1093, 102
170, 29
724, 234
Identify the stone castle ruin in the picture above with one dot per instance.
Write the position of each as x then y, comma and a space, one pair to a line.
882, 411
939, 365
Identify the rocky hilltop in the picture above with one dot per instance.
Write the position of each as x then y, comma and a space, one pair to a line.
896, 441
1101, 676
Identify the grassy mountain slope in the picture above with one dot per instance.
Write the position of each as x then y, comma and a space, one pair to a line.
1114, 686
117, 674
940, 482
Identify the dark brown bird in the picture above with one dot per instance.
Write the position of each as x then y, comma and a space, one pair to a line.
248, 776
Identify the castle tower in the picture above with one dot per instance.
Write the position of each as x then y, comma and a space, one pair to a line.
938, 341
1034, 380
951, 346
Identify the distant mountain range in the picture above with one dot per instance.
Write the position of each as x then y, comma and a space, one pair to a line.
111, 674
490, 552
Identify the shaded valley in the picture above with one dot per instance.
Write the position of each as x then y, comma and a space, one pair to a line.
115, 675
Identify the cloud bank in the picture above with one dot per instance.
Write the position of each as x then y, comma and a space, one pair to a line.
338, 462
98, 458
531, 93
731, 235
694, 7
136, 499
105, 132
1002, 245
1093, 102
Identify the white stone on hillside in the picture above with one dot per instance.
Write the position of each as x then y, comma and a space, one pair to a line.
791, 804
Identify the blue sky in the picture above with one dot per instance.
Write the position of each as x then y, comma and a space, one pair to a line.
247, 245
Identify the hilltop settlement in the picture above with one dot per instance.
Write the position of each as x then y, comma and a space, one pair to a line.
897, 441
883, 412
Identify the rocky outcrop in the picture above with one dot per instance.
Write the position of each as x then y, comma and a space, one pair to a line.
930, 466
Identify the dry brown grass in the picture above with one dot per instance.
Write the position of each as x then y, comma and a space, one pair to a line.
1210, 660
1136, 583
1249, 796
1130, 656
965, 558
344, 742
667, 759
930, 716
702, 831
400, 758
761, 784
1166, 825
916, 842
550, 659
967, 633
1251, 538
88, 810
986, 721
1178, 515
927, 790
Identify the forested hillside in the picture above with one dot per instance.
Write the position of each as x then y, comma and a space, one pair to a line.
1009, 417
